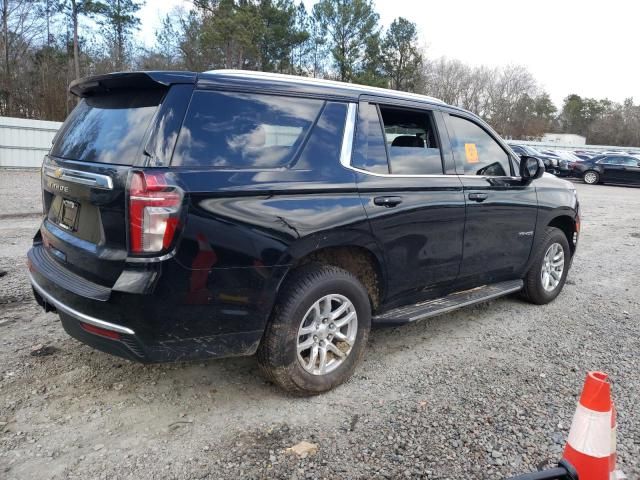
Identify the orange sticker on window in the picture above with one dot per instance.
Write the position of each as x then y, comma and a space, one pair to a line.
472, 152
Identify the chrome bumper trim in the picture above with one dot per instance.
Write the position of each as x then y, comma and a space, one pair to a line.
76, 314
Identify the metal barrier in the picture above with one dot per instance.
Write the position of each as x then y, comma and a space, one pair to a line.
25, 142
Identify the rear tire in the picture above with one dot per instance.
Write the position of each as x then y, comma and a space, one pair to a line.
544, 281
308, 315
591, 177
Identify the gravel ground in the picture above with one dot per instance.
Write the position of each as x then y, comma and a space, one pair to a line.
484, 393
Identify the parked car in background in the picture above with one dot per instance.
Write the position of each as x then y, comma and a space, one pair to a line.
618, 169
566, 158
550, 162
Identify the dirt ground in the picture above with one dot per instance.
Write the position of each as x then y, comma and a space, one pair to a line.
486, 392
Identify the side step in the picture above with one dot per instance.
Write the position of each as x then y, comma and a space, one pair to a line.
453, 301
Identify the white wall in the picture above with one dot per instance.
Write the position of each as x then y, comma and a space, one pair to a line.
564, 139
24, 143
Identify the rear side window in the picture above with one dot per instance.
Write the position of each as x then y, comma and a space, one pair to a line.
108, 128
411, 141
474, 148
243, 130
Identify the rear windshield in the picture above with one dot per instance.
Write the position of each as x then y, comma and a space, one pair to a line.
243, 130
108, 128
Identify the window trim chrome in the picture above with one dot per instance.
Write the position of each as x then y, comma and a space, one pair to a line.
348, 136
79, 176
347, 149
62, 307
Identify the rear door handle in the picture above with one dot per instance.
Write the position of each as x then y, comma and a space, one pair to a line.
387, 201
478, 197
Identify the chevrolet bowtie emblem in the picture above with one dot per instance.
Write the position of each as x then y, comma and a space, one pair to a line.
58, 173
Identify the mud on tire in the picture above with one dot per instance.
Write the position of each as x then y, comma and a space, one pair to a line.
278, 352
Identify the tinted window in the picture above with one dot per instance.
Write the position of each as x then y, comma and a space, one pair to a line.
369, 152
108, 128
411, 142
624, 161
243, 130
325, 141
474, 148
607, 161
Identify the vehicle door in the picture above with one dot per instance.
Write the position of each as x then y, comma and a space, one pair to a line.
613, 169
632, 170
501, 209
413, 199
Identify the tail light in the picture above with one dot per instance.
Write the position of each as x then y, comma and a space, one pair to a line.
154, 212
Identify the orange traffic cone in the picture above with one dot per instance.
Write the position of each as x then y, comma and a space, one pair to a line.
589, 446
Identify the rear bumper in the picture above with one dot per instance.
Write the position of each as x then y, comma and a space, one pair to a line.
157, 327
64, 309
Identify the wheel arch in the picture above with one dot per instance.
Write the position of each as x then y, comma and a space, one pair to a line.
360, 260
568, 226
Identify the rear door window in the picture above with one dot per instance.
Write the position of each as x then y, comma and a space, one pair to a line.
244, 130
476, 150
411, 141
108, 128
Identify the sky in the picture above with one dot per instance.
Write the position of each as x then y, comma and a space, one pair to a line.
586, 47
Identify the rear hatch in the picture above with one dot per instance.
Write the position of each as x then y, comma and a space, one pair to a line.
100, 148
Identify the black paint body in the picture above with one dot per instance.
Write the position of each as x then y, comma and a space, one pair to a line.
243, 230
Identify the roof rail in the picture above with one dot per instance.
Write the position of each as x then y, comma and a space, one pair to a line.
280, 77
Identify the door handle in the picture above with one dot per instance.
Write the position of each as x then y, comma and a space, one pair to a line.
387, 201
478, 197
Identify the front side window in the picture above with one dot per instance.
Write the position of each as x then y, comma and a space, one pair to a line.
476, 150
412, 142
243, 130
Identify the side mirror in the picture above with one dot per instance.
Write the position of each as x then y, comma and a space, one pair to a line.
531, 168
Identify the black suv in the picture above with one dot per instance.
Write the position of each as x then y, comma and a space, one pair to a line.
228, 213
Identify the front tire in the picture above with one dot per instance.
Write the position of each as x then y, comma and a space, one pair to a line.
591, 177
318, 330
546, 278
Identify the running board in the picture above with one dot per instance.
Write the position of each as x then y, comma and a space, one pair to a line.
453, 301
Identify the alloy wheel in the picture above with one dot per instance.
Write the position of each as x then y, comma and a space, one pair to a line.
552, 267
590, 177
327, 334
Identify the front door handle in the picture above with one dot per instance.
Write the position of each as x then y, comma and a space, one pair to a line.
478, 197
387, 201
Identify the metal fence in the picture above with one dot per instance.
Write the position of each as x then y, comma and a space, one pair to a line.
24, 143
